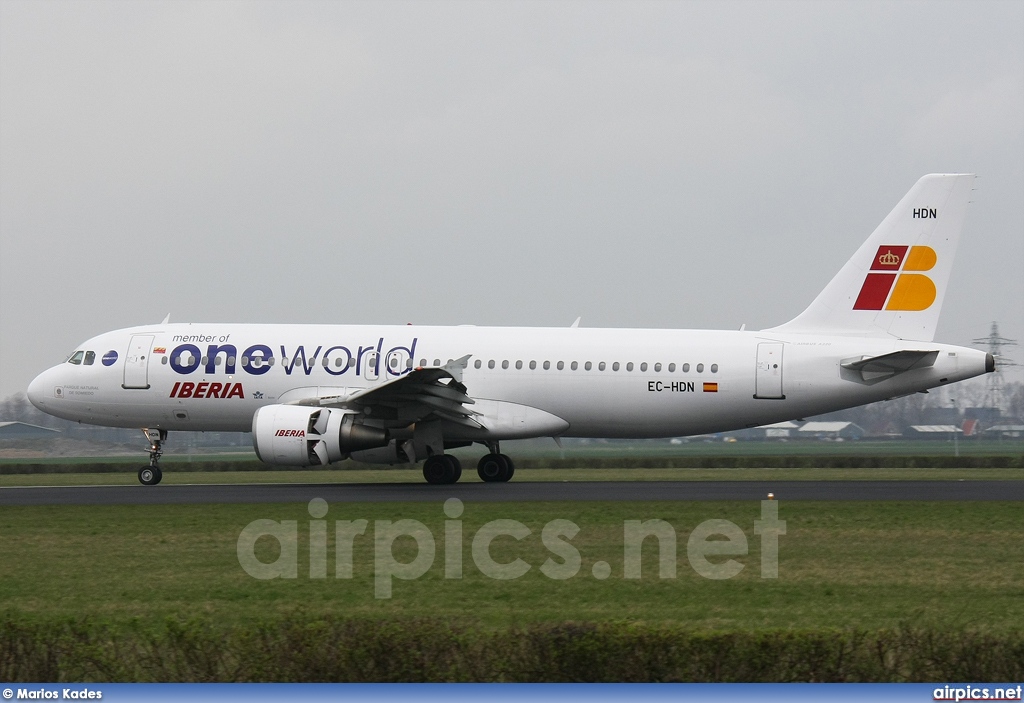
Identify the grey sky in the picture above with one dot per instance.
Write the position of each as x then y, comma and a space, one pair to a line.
681, 164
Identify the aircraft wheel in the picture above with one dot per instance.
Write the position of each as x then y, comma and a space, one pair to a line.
441, 469
492, 467
150, 475
457, 466
510, 468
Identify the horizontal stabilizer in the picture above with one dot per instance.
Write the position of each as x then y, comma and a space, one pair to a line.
877, 368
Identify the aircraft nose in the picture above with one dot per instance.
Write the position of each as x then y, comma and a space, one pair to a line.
40, 390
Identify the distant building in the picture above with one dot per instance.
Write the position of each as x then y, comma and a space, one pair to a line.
1005, 431
830, 430
931, 431
777, 431
987, 416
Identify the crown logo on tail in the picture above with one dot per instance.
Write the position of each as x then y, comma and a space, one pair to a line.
888, 259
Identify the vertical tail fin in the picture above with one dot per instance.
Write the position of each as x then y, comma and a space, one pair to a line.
895, 283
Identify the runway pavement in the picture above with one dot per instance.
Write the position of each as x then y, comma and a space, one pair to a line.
514, 492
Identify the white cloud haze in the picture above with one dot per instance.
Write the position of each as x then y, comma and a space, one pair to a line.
679, 164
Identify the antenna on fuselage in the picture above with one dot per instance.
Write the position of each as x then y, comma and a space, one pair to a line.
576, 323
166, 319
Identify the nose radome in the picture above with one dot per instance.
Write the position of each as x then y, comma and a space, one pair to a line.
39, 390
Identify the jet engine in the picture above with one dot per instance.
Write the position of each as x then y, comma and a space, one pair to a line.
294, 435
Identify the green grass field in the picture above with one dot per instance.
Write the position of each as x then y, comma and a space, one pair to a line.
842, 565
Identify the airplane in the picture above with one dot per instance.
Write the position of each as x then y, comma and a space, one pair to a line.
317, 394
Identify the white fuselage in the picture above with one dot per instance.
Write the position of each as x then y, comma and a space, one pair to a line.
583, 382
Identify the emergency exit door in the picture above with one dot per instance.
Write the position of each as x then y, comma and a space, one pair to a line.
136, 361
768, 380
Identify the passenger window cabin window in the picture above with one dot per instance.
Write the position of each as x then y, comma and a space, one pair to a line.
657, 367
394, 362
504, 364
519, 364
615, 366
533, 365
671, 368
547, 365
700, 368
163, 360
629, 366
423, 362
408, 364
477, 364
203, 361
714, 368
588, 366
574, 366
90, 357
601, 366
490, 364
437, 362
686, 368
561, 365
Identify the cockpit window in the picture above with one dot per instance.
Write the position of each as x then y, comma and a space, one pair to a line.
76, 358
90, 357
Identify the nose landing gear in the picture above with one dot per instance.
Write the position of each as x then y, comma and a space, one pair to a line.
151, 475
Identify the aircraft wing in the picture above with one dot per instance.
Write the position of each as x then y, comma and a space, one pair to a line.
420, 394
873, 368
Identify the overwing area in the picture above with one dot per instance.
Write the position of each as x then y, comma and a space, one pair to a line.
420, 395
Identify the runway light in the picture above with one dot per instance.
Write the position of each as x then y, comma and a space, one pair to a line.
771, 496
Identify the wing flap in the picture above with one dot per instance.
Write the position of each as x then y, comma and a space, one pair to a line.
417, 395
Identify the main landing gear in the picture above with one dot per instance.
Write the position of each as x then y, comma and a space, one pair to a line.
495, 467
441, 469
151, 475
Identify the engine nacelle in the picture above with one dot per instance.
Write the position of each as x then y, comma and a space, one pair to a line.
295, 435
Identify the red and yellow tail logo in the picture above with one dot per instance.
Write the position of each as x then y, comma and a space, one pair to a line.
913, 291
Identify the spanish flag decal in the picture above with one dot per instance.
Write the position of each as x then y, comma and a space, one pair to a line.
160, 350
710, 387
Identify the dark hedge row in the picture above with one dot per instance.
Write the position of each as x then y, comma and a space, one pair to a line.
434, 651
640, 462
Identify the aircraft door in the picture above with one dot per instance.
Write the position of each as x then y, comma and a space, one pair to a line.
370, 372
136, 361
768, 381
